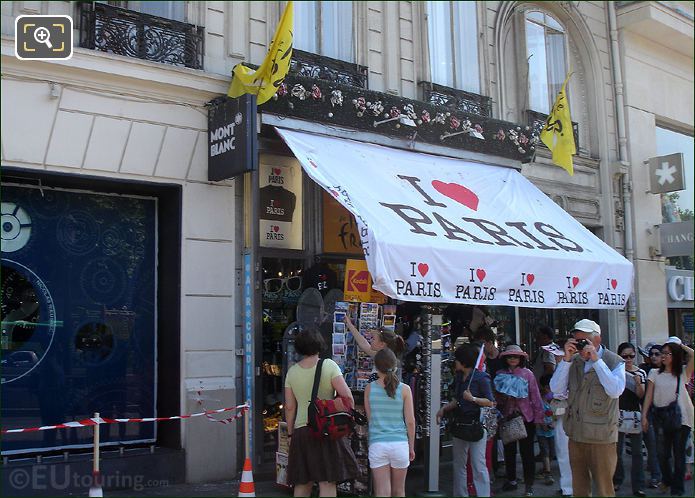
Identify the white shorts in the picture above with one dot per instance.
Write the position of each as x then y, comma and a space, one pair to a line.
395, 454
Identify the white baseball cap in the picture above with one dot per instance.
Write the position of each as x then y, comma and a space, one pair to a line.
588, 326
673, 340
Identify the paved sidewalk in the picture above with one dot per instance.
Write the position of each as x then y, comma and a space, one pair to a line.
415, 486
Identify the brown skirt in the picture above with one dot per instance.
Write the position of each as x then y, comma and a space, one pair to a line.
319, 460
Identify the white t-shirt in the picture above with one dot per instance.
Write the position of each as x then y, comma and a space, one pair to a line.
665, 393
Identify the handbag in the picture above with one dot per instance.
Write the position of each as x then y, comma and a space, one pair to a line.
489, 416
630, 422
512, 429
329, 418
559, 407
465, 426
669, 417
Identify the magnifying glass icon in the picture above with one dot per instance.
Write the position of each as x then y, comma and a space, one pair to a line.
42, 35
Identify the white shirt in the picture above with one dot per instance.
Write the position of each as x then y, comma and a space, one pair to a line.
613, 381
665, 393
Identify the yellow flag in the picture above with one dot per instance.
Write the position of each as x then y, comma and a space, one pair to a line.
557, 132
266, 79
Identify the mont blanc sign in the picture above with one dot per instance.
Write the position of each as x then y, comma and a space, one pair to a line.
232, 141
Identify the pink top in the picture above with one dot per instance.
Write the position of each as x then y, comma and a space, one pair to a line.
532, 407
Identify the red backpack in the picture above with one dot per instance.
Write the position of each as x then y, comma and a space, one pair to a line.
329, 418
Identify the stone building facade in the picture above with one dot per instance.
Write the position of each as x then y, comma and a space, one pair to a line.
122, 123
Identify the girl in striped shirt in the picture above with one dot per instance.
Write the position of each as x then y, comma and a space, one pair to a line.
389, 406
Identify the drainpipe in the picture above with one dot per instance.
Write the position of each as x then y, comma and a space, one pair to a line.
625, 163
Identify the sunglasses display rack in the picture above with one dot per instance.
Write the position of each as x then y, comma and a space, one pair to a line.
423, 410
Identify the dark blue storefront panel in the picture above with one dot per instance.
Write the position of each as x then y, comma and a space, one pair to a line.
78, 315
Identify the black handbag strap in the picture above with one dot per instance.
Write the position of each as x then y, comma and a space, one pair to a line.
317, 381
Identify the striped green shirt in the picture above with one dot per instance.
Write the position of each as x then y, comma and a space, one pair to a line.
386, 422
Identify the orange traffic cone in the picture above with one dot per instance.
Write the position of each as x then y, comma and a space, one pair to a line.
246, 486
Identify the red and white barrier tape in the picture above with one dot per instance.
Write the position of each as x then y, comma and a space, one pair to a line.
103, 420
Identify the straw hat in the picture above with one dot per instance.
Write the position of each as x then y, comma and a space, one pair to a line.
513, 350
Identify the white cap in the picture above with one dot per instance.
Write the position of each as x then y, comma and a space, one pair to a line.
588, 326
673, 340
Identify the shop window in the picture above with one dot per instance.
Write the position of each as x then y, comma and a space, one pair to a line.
325, 28
281, 213
79, 336
176, 11
546, 52
452, 33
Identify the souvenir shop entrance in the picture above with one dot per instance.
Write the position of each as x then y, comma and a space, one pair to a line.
424, 245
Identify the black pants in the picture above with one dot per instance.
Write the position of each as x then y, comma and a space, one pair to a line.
637, 468
668, 442
528, 460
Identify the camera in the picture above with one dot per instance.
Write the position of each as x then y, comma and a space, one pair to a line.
581, 344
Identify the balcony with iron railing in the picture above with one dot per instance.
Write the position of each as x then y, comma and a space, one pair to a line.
459, 100
325, 68
536, 120
332, 92
133, 34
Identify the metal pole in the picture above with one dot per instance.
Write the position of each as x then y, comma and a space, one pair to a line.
95, 488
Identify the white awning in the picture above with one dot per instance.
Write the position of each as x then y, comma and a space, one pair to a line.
442, 230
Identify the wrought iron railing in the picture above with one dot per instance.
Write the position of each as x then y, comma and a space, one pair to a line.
536, 120
348, 106
133, 34
325, 68
460, 100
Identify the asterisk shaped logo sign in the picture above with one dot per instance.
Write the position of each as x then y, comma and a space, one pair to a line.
665, 173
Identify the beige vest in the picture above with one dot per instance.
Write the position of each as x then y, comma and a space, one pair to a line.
592, 416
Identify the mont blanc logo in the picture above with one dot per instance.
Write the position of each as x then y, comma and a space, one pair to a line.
16, 227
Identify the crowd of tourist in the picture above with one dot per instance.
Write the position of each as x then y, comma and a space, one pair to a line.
576, 402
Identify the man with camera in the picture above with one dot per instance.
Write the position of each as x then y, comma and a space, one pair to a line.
594, 379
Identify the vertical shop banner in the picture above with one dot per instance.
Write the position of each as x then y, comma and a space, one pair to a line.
248, 343
358, 283
280, 212
445, 230
340, 232
78, 315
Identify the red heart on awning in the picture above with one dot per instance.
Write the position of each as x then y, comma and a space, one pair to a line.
614, 283
457, 192
423, 268
575, 281
530, 278
277, 171
276, 228
480, 274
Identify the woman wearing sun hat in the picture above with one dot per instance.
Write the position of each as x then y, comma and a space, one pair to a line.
518, 393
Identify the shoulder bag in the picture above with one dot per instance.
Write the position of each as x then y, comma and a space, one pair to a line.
465, 426
669, 416
512, 429
630, 422
489, 416
329, 418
